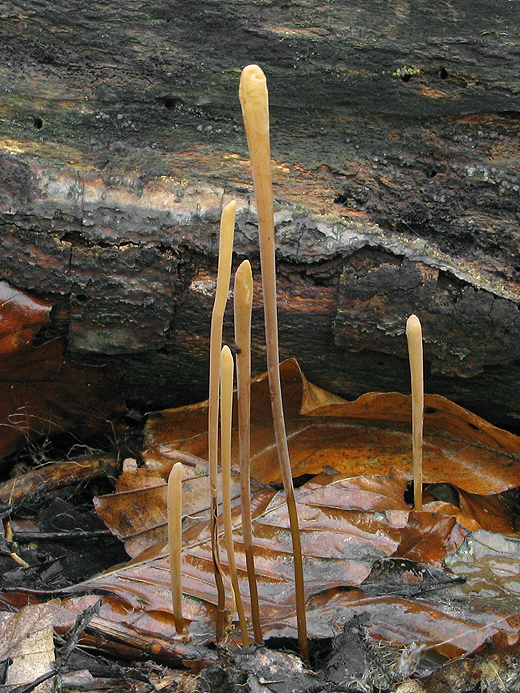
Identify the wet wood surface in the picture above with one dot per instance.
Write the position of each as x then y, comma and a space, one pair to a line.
395, 135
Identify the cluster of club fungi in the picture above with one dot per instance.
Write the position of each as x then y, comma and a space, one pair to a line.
254, 101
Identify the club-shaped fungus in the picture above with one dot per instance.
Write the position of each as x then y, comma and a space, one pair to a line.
227, 231
243, 302
174, 511
415, 352
226, 415
255, 110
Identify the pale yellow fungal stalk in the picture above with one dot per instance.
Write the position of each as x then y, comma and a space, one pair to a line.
255, 110
243, 302
227, 231
174, 512
226, 415
415, 352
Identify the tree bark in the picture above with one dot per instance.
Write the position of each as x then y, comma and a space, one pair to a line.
394, 134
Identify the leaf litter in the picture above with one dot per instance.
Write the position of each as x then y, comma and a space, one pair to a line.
356, 525
372, 565
368, 436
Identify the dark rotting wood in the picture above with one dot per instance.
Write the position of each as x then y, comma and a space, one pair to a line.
395, 134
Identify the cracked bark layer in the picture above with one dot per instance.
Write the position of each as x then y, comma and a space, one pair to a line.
395, 134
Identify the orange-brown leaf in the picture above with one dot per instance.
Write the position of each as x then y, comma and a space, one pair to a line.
41, 391
366, 437
21, 316
339, 545
136, 512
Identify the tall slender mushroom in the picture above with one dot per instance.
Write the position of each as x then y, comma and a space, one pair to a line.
415, 352
255, 110
174, 512
226, 414
227, 231
243, 301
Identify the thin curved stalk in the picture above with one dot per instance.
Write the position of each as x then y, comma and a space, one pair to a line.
415, 352
227, 230
226, 413
255, 110
174, 504
243, 301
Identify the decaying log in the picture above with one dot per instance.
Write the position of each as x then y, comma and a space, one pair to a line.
395, 135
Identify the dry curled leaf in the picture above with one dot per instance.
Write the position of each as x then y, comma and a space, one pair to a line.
366, 437
497, 512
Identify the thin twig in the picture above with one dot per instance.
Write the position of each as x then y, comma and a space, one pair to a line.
30, 537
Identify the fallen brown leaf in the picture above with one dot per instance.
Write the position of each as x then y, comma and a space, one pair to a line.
404, 621
366, 437
497, 512
136, 512
348, 518
21, 316
41, 390
429, 536
339, 544
26, 639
